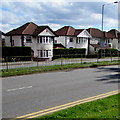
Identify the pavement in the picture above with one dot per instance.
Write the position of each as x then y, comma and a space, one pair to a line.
22, 95
23, 64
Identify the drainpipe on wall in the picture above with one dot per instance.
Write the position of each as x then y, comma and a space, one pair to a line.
88, 46
22, 40
65, 41
11, 40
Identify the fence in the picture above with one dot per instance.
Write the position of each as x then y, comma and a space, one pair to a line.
27, 61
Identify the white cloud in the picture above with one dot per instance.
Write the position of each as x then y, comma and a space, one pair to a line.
54, 26
96, 16
5, 27
85, 27
111, 23
54, 13
11, 18
60, 1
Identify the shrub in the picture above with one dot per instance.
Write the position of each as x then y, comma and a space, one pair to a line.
69, 53
108, 52
13, 54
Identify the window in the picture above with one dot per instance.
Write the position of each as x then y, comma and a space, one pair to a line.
81, 40
71, 39
45, 39
37, 39
28, 39
55, 41
118, 40
107, 41
77, 40
41, 54
40, 40
44, 53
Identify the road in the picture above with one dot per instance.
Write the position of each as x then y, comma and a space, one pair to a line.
48, 63
31, 93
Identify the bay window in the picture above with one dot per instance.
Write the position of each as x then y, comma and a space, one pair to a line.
107, 41
44, 53
45, 39
81, 40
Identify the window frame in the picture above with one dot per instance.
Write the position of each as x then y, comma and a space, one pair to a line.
29, 39
44, 53
45, 39
71, 39
81, 40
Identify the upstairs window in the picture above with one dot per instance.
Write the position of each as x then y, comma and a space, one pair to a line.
107, 41
45, 39
71, 39
81, 40
28, 39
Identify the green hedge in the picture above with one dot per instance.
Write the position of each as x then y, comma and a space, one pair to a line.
68, 53
16, 53
108, 52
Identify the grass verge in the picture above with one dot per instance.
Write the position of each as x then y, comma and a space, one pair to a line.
40, 69
103, 108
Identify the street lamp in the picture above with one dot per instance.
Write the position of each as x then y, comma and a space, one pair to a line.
103, 11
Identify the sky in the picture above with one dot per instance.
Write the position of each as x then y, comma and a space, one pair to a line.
56, 14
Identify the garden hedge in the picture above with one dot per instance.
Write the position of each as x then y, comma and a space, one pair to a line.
16, 53
68, 53
108, 52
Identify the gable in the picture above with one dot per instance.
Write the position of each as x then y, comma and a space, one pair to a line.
84, 33
46, 32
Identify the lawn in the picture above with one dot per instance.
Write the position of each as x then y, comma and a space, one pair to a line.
41, 69
103, 108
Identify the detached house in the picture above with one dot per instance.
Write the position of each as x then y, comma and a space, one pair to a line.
97, 35
70, 37
2, 38
39, 38
118, 40
101, 39
114, 35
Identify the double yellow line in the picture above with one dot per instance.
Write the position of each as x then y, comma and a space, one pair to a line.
61, 107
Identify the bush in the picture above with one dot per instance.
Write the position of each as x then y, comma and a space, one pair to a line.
92, 56
108, 52
16, 51
13, 54
68, 53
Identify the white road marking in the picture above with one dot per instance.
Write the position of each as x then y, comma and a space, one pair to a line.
115, 73
19, 88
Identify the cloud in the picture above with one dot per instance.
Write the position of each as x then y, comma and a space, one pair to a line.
84, 27
56, 14
54, 26
6, 27
111, 23
107, 1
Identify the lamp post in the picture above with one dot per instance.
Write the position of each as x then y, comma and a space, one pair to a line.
103, 6
103, 12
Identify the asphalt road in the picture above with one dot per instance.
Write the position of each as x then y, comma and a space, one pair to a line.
31, 93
